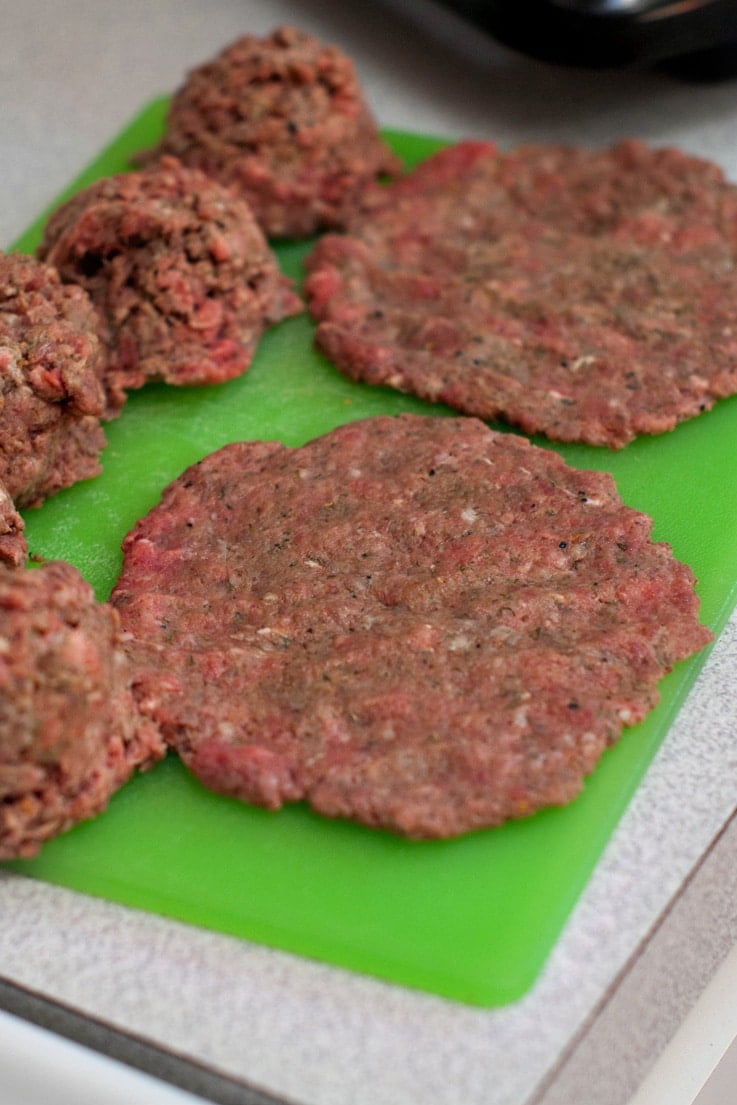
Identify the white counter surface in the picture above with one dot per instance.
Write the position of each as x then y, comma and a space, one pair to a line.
234, 1021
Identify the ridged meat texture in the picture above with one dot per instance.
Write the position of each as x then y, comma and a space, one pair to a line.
414, 622
13, 548
70, 733
588, 295
282, 119
51, 391
179, 270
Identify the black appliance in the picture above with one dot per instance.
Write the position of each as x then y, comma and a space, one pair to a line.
695, 38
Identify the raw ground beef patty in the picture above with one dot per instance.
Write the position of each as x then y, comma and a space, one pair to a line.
414, 622
585, 294
179, 270
281, 119
51, 395
70, 733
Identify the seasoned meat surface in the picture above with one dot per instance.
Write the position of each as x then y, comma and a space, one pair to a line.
415, 622
51, 393
70, 733
283, 120
588, 295
179, 270
13, 549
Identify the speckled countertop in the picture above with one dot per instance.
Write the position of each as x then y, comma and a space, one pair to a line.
238, 1022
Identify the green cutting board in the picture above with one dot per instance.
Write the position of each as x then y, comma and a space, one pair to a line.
471, 919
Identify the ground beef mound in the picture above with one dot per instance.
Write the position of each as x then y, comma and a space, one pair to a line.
70, 734
585, 294
51, 396
13, 548
179, 270
283, 120
415, 622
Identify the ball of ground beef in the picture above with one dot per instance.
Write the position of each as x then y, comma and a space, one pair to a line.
13, 549
51, 396
179, 270
283, 120
70, 734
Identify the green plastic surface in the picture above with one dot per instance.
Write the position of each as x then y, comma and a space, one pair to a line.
471, 919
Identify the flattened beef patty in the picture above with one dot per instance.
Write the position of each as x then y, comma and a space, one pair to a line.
179, 270
282, 119
586, 295
70, 733
51, 395
414, 622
